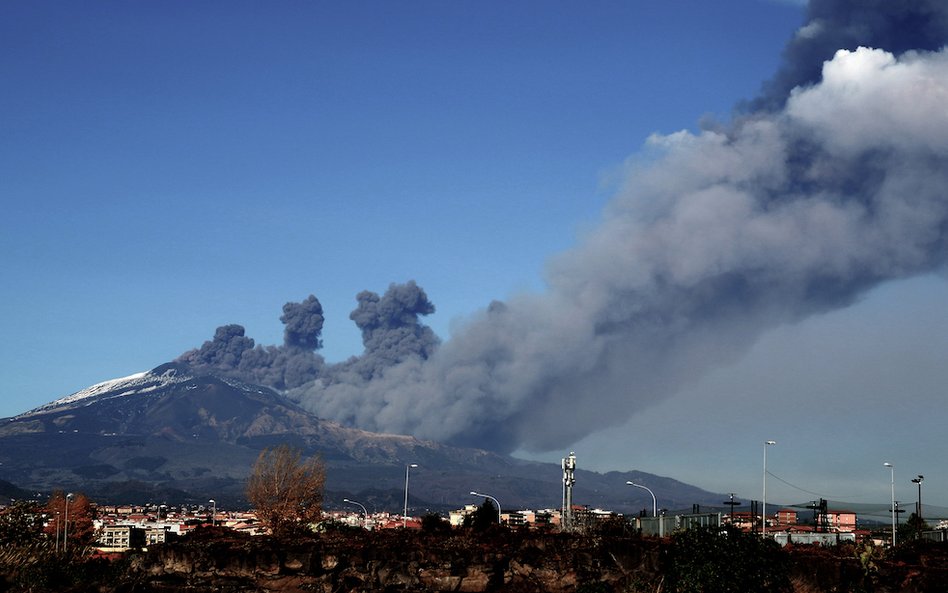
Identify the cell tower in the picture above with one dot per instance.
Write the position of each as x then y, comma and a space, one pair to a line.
569, 466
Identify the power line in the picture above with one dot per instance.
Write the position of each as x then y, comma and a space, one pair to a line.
820, 494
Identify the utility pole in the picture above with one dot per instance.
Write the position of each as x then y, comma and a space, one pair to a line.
732, 503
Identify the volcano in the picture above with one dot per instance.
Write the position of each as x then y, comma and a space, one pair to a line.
172, 434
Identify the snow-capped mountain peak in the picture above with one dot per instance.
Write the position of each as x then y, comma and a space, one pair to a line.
138, 383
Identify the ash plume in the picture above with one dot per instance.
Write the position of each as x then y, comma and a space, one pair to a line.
295, 363
304, 324
831, 182
837, 182
391, 334
224, 351
894, 25
391, 330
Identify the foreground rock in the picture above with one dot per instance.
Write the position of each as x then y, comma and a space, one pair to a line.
501, 561
397, 561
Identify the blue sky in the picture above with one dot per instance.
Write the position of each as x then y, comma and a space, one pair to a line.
171, 167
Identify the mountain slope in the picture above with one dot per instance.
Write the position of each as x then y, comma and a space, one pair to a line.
171, 433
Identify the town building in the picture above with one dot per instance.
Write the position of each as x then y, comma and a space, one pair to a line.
119, 538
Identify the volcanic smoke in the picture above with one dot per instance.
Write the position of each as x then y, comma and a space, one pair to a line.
832, 181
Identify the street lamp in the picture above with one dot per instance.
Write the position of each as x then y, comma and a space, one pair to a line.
66, 523
918, 511
892, 509
654, 503
764, 501
497, 502
405, 515
213, 512
366, 519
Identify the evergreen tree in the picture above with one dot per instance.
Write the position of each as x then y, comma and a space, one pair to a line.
483, 518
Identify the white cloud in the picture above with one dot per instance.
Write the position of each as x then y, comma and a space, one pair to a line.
868, 99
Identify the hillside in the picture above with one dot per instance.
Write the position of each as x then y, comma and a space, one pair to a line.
174, 435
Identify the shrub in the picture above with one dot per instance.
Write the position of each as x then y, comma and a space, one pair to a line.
726, 561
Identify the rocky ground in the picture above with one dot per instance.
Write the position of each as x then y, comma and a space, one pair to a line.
494, 561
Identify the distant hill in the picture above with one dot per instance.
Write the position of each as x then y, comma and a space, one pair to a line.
171, 435
10, 492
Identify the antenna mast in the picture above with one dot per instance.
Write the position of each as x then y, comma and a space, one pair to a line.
569, 466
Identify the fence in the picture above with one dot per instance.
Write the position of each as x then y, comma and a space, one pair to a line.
824, 539
936, 535
664, 525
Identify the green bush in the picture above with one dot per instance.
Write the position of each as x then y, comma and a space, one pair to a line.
483, 518
435, 523
726, 561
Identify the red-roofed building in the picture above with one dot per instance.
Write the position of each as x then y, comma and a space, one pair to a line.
787, 517
841, 520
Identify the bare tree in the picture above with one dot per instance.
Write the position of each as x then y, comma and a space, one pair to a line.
286, 490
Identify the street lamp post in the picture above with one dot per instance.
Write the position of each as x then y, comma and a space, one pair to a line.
66, 523
763, 521
405, 515
365, 520
892, 509
918, 510
661, 522
213, 512
497, 502
654, 502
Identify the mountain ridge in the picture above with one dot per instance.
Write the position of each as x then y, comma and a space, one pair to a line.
198, 434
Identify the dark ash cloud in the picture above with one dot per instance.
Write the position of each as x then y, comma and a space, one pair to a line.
391, 333
222, 352
304, 324
391, 329
295, 363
